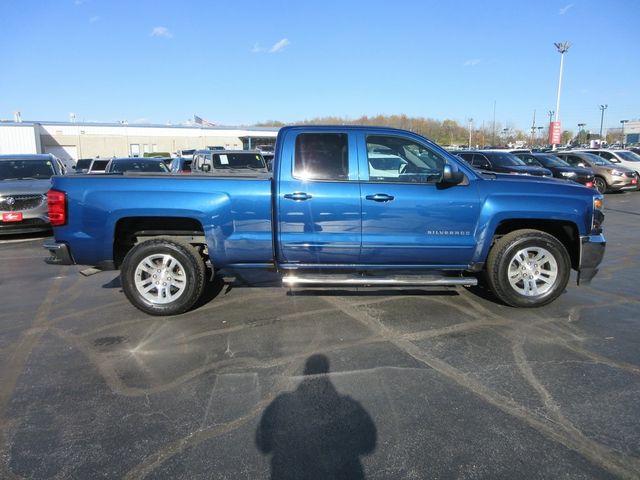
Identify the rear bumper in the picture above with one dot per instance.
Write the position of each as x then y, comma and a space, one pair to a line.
60, 254
591, 253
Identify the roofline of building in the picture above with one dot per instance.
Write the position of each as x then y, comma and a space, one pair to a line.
136, 125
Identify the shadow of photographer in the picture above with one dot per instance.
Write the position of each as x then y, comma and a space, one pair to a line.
314, 432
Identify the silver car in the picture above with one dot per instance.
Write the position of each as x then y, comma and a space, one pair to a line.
24, 182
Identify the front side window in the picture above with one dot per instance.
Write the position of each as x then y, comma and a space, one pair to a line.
398, 159
321, 156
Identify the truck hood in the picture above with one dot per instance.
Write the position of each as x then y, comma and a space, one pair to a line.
16, 187
529, 178
528, 169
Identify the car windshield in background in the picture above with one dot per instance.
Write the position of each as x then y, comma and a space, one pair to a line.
629, 156
83, 164
551, 161
595, 159
238, 160
99, 164
505, 159
119, 166
25, 169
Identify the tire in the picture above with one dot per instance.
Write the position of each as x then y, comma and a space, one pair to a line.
517, 256
180, 279
600, 184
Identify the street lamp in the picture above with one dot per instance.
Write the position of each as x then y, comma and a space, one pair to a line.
602, 108
562, 48
580, 130
623, 122
539, 132
470, 124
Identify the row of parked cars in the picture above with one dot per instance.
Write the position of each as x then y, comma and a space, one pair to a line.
25, 179
603, 169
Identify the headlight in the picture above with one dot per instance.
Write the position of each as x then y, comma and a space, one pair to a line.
617, 173
568, 174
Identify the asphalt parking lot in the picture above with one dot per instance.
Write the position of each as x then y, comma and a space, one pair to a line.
262, 382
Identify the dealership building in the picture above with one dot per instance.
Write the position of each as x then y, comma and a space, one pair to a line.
70, 141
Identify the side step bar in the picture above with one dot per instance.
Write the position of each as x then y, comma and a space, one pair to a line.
319, 280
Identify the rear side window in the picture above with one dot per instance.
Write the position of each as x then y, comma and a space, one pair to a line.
321, 156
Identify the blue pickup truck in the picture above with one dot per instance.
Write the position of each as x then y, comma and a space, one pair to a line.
350, 206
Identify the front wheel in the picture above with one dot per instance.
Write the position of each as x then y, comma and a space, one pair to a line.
528, 268
600, 184
162, 276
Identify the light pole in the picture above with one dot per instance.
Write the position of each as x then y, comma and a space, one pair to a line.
580, 130
539, 132
505, 131
602, 108
562, 48
623, 122
470, 124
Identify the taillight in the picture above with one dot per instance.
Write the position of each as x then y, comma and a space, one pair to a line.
589, 184
57, 203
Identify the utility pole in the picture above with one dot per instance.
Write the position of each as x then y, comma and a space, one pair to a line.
470, 125
602, 109
493, 134
533, 126
562, 48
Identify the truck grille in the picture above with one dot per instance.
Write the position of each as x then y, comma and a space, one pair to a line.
17, 203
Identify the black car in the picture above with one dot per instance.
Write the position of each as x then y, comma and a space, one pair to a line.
500, 161
558, 167
136, 164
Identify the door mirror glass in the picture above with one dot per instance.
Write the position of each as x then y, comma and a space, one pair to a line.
451, 175
206, 167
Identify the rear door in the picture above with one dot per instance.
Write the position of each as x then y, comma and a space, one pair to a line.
318, 199
408, 218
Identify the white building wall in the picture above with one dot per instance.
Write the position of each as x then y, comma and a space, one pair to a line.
19, 139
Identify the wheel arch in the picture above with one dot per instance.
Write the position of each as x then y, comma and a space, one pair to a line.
565, 231
131, 230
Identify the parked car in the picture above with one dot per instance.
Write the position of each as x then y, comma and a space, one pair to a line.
83, 165
558, 167
608, 177
24, 182
501, 161
625, 158
205, 161
136, 164
323, 219
180, 165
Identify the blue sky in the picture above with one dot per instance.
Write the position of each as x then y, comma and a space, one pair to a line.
242, 62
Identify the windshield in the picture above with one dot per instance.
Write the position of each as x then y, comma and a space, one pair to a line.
25, 169
99, 165
118, 166
504, 159
83, 164
629, 156
238, 160
551, 161
595, 159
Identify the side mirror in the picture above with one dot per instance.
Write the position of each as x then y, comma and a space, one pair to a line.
206, 167
451, 176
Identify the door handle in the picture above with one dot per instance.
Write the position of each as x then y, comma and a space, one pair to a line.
297, 196
380, 197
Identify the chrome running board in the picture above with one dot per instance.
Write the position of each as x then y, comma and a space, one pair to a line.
323, 280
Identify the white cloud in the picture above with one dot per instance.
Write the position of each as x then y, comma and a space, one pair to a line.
565, 9
161, 32
279, 46
94, 19
472, 62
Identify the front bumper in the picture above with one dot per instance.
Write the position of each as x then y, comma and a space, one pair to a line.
591, 254
60, 254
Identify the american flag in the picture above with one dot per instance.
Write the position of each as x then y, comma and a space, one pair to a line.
202, 121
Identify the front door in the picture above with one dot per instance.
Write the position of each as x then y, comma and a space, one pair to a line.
319, 200
407, 217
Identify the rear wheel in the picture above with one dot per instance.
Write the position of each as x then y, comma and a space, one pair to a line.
163, 277
528, 268
600, 184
